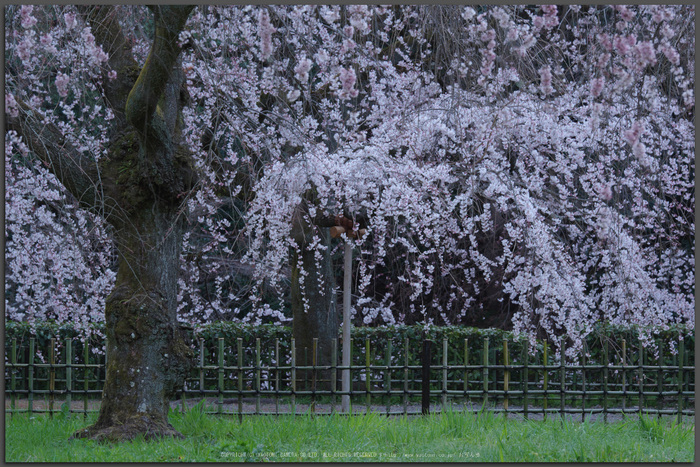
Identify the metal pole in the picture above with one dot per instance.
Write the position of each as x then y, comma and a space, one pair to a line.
345, 401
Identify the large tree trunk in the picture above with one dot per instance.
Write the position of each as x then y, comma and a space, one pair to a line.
147, 355
138, 188
147, 172
319, 318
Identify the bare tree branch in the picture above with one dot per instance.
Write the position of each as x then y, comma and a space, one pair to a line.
76, 170
109, 35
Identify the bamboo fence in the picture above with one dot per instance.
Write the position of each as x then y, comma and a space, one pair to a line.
539, 384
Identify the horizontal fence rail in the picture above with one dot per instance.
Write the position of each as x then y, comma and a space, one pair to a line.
396, 379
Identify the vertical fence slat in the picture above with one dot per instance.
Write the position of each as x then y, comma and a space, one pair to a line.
306, 371
294, 377
466, 372
681, 348
562, 385
387, 376
52, 373
86, 385
368, 375
334, 373
640, 375
526, 376
313, 375
352, 344
425, 386
506, 374
220, 364
583, 383
69, 372
13, 360
605, 380
277, 376
201, 367
257, 375
660, 382
545, 378
30, 376
444, 373
405, 376
486, 371
624, 375
239, 352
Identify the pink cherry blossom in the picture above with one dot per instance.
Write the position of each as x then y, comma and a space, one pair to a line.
301, 70
28, 21
71, 21
597, 85
265, 31
480, 186
546, 80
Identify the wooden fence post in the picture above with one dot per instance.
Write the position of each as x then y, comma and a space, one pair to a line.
486, 371
368, 373
562, 386
239, 351
294, 378
257, 374
201, 367
387, 376
640, 375
660, 380
466, 372
86, 357
52, 374
681, 346
334, 372
30, 377
313, 375
69, 372
220, 361
444, 373
624, 375
425, 396
277, 375
13, 359
405, 376
506, 374
545, 379
526, 376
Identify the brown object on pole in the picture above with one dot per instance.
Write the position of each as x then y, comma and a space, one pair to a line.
343, 221
337, 231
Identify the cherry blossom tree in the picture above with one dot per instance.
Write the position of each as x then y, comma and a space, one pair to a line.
528, 165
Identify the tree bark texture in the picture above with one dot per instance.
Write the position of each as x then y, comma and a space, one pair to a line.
320, 319
138, 188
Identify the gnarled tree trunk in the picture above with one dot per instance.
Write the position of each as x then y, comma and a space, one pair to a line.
147, 356
138, 189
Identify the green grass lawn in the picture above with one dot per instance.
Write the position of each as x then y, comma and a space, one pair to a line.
450, 437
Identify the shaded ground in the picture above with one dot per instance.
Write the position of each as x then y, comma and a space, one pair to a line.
268, 406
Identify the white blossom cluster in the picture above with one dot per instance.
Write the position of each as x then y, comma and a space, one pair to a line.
543, 154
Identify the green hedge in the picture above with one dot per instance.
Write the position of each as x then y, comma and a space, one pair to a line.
378, 339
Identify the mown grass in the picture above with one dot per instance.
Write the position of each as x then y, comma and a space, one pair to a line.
450, 437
